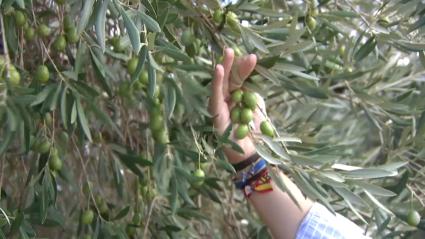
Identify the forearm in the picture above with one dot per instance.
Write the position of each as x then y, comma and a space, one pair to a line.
277, 210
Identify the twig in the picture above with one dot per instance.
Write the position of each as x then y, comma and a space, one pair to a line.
145, 230
5, 47
86, 176
361, 16
2, 173
53, 63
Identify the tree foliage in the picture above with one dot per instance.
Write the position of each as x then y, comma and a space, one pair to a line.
104, 121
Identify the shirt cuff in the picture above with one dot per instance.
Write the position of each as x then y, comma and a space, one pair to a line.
321, 223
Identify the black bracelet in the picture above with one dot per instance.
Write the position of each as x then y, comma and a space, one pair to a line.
241, 165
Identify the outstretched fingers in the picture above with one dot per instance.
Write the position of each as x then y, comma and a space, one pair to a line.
229, 56
218, 106
243, 68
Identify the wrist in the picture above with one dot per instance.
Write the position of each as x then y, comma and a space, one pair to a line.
235, 157
246, 163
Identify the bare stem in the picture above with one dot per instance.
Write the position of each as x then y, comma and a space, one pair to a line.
145, 230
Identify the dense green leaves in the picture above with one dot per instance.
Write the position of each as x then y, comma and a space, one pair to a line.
85, 15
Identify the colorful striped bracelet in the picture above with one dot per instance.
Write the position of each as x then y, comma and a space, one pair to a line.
242, 178
261, 183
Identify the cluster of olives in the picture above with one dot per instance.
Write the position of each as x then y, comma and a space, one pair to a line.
243, 113
44, 146
312, 12
157, 124
192, 45
102, 205
156, 118
126, 88
71, 33
230, 18
143, 80
59, 44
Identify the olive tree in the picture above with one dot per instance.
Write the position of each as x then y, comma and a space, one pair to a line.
105, 131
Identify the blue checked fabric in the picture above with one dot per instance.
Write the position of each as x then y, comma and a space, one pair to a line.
320, 223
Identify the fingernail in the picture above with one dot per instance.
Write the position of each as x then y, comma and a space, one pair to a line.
228, 51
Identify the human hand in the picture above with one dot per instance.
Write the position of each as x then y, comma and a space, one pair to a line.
225, 81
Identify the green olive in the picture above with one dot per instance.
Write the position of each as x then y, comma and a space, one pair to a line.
87, 187
60, 43
384, 21
249, 99
49, 120
233, 21
235, 114
63, 137
42, 74
237, 95
103, 208
246, 115
87, 217
20, 18
137, 218
144, 78
311, 23
156, 122
43, 30
29, 33
238, 51
192, 49
67, 23
60, 2
116, 42
266, 128
341, 50
138, 85
218, 16
43, 147
130, 230
413, 218
187, 37
55, 163
72, 35
124, 89
160, 136
242, 131
101, 204
14, 76
132, 65
199, 176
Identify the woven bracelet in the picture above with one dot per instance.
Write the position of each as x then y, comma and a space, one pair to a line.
261, 183
244, 164
242, 178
